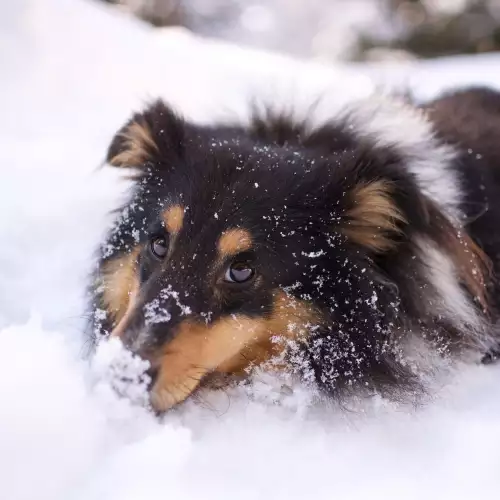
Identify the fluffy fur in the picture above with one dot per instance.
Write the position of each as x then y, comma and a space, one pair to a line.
357, 237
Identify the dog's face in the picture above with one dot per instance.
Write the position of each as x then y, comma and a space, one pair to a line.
234, 247
222, 238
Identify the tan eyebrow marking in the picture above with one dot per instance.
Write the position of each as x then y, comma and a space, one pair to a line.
174, 218
234, 241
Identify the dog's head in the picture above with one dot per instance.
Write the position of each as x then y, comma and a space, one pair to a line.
238, 242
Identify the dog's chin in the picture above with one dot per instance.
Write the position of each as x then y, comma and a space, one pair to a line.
163, 398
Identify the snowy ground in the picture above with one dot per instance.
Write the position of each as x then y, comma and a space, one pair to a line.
70, 73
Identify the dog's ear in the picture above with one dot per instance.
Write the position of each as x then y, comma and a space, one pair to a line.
382, 206
372, 217
151, 138
379, 201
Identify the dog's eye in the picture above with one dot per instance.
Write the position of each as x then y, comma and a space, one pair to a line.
239, 272
159, 247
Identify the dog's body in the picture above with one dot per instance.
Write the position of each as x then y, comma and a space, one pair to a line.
325, 250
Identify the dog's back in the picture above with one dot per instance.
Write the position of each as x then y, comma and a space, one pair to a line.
470, 121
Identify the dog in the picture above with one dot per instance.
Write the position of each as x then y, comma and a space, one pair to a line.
334, 250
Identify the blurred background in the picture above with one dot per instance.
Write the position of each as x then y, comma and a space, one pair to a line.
333, 30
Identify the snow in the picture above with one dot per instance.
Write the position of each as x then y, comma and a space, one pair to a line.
71, 72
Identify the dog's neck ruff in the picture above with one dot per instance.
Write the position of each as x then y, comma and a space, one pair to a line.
391, 122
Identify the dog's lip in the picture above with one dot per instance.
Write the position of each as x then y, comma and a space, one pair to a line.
217, 380
211, 381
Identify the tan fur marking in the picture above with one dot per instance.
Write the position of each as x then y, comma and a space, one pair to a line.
123, 322
472, 264
139, 146
373, 218
174, 218
473, 267
228, 346
234, 241
120, 283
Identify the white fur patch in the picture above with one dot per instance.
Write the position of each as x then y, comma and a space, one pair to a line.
389, 121
451, 302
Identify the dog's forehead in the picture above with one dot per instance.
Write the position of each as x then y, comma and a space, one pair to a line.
222, 231
212, 221
218, 195
247, 188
